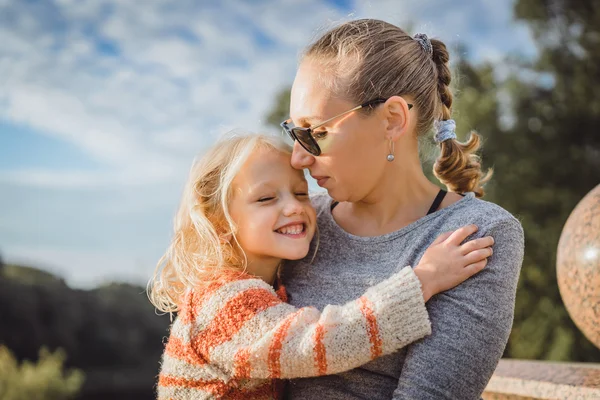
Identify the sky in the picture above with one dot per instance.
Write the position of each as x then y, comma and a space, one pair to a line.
104, 104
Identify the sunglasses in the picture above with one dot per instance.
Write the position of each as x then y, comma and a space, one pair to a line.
306, 136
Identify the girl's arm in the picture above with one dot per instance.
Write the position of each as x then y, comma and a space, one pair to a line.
247, 331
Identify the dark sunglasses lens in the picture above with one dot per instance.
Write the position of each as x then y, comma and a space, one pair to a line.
306, 140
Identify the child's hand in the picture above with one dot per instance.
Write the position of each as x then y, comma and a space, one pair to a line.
447, 263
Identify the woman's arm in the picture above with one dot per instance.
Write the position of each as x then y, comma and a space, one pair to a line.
471, 325
248, 332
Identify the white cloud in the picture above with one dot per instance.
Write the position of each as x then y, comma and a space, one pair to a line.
485, 26
163, 90
40, 177
123, 110
141, 89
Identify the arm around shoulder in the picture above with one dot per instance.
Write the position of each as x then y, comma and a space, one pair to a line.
471, 324
246, 331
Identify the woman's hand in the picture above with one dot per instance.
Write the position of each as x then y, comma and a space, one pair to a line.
448, 262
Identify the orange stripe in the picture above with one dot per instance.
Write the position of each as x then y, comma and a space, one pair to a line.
373, 329
195, 299
281, 292
188, 313
320, 350
242, 365
215, 387
277, 344
177, 349
230, 319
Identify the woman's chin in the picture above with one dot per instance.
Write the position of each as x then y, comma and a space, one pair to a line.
337, 195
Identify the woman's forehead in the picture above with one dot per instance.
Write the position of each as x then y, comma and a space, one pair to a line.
309, 97
314, 112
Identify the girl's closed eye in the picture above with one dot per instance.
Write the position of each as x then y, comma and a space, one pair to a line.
264, 199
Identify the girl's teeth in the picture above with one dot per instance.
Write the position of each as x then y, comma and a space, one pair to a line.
292, 230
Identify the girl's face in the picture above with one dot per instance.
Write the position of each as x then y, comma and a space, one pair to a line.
354, 147
271, 208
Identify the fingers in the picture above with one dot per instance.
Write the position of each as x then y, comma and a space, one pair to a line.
459, 235
478, 255
477, 244
472, 269
442, 237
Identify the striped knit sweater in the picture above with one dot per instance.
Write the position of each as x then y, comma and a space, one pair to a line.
233, 339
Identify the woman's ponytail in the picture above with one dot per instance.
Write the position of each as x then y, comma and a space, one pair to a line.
458, 166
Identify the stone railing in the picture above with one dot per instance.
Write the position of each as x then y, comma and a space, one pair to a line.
525, 380
578, 273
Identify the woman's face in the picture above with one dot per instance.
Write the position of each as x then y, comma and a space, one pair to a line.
354, 147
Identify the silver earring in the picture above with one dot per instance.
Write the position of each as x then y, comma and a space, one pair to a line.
390, 157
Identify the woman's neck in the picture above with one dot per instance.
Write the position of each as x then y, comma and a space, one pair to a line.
402, 196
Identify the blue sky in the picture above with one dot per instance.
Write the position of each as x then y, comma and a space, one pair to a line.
104, 104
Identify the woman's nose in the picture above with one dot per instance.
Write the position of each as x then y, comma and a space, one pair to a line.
300, 157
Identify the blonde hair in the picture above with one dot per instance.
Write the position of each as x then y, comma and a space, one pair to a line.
199, 253
374, 59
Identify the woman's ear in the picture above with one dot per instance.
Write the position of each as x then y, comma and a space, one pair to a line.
396, 111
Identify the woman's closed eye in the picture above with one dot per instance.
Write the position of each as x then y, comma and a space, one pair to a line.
319, 135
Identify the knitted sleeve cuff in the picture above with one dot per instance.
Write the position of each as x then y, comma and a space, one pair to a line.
399, 306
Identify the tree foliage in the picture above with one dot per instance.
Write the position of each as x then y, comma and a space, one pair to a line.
547, 161
43, 380
111, 333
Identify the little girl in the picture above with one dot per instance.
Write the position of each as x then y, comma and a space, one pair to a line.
244, 210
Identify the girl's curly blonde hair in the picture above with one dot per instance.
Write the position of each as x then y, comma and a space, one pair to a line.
199, 254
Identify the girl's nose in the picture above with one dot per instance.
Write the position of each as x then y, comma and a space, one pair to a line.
300, 157
293, 207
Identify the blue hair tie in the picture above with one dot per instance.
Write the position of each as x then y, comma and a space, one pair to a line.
424, 42
444, 130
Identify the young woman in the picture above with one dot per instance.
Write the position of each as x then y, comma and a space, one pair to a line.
364, 95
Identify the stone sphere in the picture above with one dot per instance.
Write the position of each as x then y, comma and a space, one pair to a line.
578, 265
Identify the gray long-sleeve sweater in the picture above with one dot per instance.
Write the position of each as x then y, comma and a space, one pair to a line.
470, 323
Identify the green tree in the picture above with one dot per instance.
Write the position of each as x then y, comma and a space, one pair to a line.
43, 380
30, 276
281, 108
111, 333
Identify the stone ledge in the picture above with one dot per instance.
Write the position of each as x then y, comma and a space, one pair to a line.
533, 380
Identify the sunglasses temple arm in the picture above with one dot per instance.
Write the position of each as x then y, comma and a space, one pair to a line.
337, 116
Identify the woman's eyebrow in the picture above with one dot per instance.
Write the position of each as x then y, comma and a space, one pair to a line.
312, 120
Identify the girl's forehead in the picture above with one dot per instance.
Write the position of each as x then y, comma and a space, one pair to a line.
268, 164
